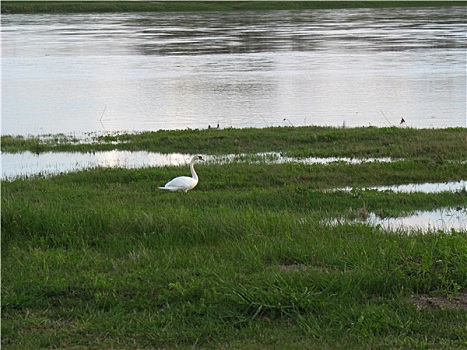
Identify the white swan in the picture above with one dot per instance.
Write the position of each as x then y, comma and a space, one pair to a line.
184, 183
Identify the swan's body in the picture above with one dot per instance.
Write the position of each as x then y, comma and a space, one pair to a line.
184, 183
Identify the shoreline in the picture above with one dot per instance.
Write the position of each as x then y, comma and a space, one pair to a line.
35, 7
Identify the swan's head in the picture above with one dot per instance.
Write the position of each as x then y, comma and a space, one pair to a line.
196, 159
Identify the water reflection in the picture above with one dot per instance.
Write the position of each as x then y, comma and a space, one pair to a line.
444, 219
199, 33
152, 71
50, 163
279, 158
16, 165
427, 187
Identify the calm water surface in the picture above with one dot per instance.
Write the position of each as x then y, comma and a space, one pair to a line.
143, 71
23, 164
443, 219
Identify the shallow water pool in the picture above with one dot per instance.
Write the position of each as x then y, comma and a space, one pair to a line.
443, 219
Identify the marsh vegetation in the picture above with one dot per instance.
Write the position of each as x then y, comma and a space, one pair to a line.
306, 141
248, 259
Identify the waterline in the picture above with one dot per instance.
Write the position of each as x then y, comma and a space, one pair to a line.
16, 165
26, 164
443, 219
427, 187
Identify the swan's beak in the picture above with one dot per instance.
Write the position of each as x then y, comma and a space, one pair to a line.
200, 158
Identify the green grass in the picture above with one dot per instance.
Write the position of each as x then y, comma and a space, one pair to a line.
161, 6
435, 144
102, 259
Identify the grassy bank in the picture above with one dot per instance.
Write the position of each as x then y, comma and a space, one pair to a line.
294, 141
247, 260
161, 6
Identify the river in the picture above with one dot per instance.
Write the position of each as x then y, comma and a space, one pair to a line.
79, 73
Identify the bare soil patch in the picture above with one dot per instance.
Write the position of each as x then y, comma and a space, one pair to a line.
425, 301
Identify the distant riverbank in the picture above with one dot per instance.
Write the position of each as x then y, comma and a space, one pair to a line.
164, 6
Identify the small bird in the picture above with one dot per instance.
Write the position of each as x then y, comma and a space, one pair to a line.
184, 183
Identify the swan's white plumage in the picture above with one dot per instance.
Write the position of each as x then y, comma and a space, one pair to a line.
181, 183
184, 183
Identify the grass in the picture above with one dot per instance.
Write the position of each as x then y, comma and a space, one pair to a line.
102, 259
161, 6
436, 144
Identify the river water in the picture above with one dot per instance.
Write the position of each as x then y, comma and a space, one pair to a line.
79, 73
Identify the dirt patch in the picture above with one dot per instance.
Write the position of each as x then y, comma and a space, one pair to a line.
425, 301
303, 267
292, 268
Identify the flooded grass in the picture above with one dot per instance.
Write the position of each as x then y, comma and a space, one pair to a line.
439, 220
101, 258
309, 141
27, 164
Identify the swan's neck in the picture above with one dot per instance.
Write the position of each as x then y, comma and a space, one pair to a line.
192, 169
